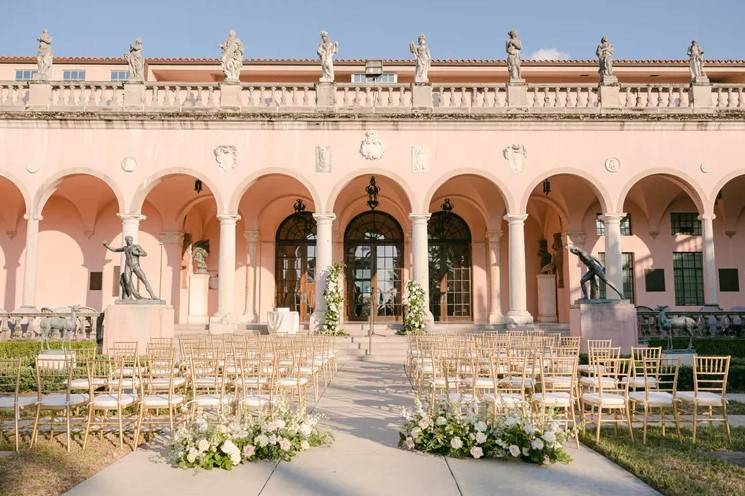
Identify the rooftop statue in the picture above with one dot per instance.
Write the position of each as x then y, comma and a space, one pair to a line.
136, 61
44, 57
604, 51
513, 47
696, 61
595, 272
423, 59
232, 57
326, 50
132, 253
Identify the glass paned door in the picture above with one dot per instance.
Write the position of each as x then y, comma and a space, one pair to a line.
295, 267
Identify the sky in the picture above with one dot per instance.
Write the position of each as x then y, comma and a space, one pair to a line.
475, 29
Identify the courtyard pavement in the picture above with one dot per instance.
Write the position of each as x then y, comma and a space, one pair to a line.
362, 406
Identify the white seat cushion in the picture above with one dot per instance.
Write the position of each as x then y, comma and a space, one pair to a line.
256, 401
703, 398
505, 399
212, 400
163, 382
7, 403
292, 382
484, 383
607, 400
110, 401
553, 399
59, 400
440, 382
595, 381
161, 400
207, 381
654, 398
308, 370
558, 381
456, 397
639, 381
98, 382
516, 381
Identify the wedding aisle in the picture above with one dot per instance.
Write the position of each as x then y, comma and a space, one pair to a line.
363, 410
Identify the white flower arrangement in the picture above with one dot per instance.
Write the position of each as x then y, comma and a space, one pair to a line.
455, 429
226, 443
333, 295
416, 309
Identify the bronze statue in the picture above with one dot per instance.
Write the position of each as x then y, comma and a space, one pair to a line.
558, 259
595, 272
132, 253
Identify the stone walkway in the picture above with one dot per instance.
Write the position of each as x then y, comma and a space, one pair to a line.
362, 406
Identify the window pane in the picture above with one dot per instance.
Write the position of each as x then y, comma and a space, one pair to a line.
688, 277
685, 223
627, 259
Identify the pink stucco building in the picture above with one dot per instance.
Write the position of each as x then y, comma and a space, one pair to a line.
472, 174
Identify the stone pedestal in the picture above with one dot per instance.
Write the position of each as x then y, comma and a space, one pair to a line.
604, 319
325, 95
134, 94
199, 286
517, 94
230, 95
421, 96
701, 95
547, 298
610, 95
39, 95
125, 321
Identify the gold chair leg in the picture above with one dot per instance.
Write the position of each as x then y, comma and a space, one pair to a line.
597, 427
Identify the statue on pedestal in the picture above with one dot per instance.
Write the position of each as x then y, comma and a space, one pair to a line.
199, 253
132, 253
595, 272
547, 266
423, 59
136, 61
326, 51
604, 52
232, 57
513, 47
696, 62
44, 57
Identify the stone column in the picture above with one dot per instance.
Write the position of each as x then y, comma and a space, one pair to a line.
518, 313
225, 320
575, 268
130, 227
420, 254
711, 290
324, 260
613, 256
495, 300
173, 242
28, 299
249, 310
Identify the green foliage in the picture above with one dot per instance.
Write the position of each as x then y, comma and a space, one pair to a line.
416, 309
29, 350
707, 346
334, 298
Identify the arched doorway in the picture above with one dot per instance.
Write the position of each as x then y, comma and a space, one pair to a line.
295, 255
373, 248
449, 266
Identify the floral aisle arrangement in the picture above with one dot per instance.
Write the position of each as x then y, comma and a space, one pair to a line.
334, 298
457, 430
224, 443
416, 311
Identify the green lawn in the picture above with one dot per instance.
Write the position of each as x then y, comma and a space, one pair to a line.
677, 467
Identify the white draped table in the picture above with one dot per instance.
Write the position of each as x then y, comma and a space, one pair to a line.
283, 321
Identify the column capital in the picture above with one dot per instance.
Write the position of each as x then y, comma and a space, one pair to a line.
707, 217
516, 218
131, 217
324, 218
419, 218
251, 235
610, 217
228, 218
494, 235
171, 237
33, 216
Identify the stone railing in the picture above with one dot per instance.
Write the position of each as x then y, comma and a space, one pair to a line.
705, 323
49, 325
153, 97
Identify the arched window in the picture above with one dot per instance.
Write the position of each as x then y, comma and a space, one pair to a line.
373, 247
449, 267
296, 263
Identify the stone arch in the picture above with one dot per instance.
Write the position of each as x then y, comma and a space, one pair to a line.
604, 198
50, 185
712, 198
151, 182
20, 186
509, 200
680, 179
238, 193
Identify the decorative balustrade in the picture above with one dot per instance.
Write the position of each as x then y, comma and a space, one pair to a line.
351, 97
82, 325
704, 323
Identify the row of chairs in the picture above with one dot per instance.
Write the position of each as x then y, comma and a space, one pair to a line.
540, 375
131, 392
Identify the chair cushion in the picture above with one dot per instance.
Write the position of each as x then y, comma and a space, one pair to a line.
456, 397
110, 401
59, 400
212, 400
558, 381
161, 400
484, 383
595, 381
163, 382
607, 400
504, 399
78, 384
639, 382
703, 398
6, 402
292, 382
515, 381
256, 401
654, 398
553, 399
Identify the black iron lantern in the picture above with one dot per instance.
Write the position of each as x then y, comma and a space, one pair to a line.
546, 187
198, 186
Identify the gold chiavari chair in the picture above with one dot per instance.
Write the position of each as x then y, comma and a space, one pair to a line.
509, 377
114, 403
309, 361
557, 379
639, 354
592, 346
661, 379
208, 384
289, 382
56, 398
255, 383
12, 402
161, 390
610, 394
569, 341
599, 358
709, 391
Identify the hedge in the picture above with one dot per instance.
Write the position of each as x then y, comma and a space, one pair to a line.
28, 350
707, 346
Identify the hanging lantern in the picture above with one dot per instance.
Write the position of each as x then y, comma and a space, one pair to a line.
546, 187
372, 190
299, 205
198, 186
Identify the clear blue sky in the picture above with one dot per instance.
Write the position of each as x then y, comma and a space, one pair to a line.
376, 28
